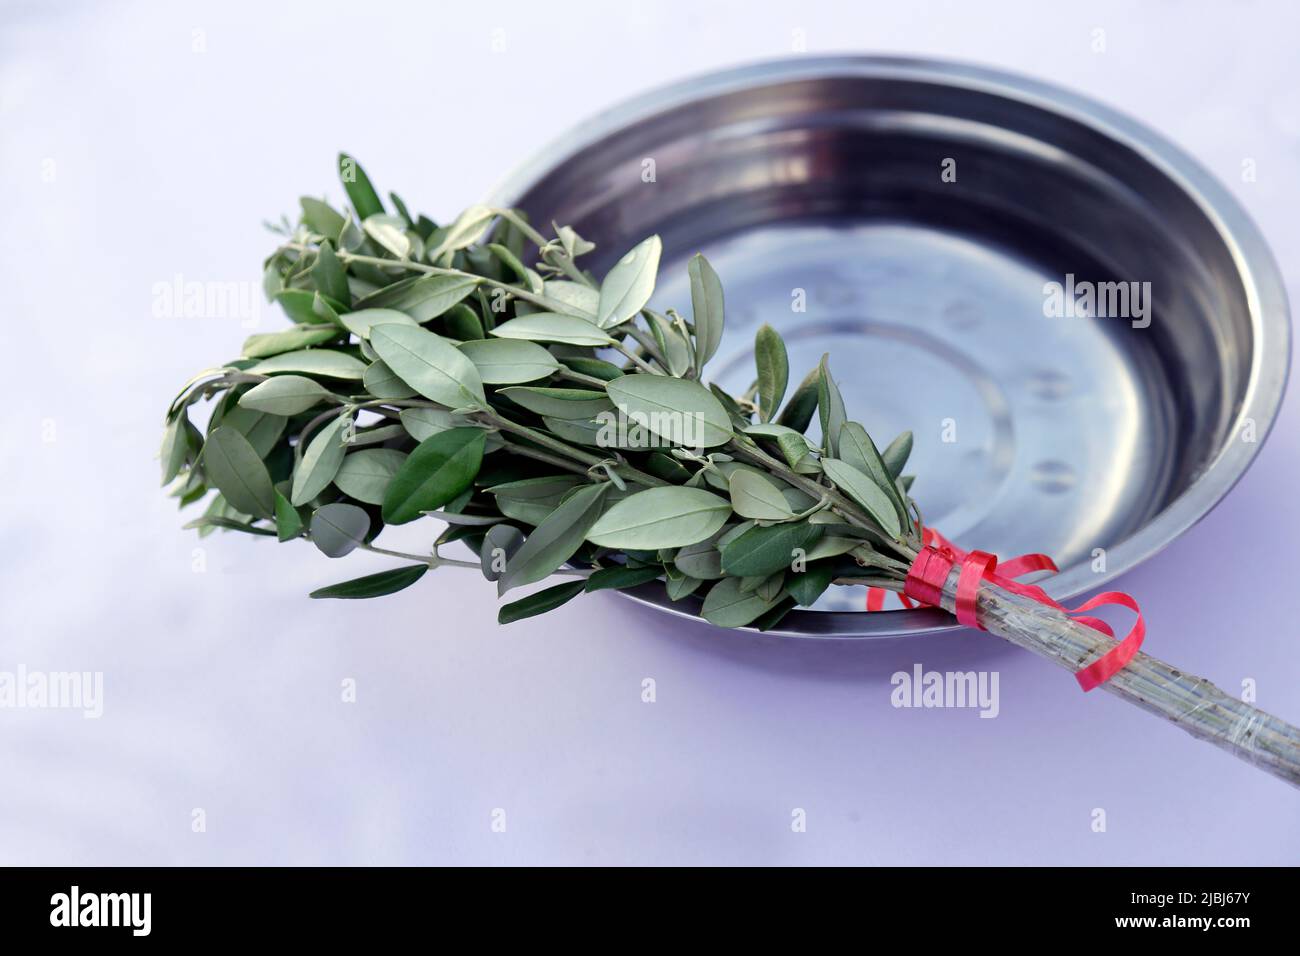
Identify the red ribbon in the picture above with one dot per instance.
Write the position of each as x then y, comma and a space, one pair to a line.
930, 570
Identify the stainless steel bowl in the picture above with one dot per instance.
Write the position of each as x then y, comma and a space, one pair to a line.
821, 182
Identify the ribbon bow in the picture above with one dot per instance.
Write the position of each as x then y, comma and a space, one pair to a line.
930, 570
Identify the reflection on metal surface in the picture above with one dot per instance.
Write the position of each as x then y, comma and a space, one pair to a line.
1033, 433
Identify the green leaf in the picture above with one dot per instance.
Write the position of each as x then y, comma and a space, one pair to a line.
830, 406
429, 364
795, 447
365, 475
865, 492
422, 423
619, 577
326, 314
374, 585
582, 431
831, 546
702, 560
681, 586
726, 605
361, 322
540, 602
337, 529
628, 286
320, 462
235, 468
798, 412
400, 206
389, 232
858, 451
357, 184
771, 587
773, 370
288, 523
707, 306
509, 259
668, 517
376, 434
556, 539
500, 543
263, 431
553, 327
284, 395
576, 299
175, 447
440, 468
772, 430
422, 298
300, 306
666, 467
771, 618
509, 361
808, 585
596, 368
468, 229
678, 410
672, 343
896, 455
530, 500
328, 274
755, 496
570, 404
760, 551
321, 218
322, 362
266, 344
382, 382
462, 323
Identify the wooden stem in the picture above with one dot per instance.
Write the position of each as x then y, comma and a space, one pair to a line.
1189, 702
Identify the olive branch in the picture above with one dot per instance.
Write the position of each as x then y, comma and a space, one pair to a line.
558, 426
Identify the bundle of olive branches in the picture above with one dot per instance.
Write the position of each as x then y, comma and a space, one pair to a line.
476, 374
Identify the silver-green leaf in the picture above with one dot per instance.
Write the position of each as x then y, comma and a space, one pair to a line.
755, 496
338, 528
430, 364
570, 404
553, 327
284, 395
364, 475
322, 362
707, 306
266, 344
727, 605
830, 407
422, 298
509, 361
360, 323
320, 462
773, 371
628, 286
556, 539
678, 410
236, 469
669, 517
500, 544
865, 492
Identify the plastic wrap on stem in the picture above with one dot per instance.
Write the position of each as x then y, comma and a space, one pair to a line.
1190, 702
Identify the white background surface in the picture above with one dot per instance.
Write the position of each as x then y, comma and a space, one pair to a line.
222, 689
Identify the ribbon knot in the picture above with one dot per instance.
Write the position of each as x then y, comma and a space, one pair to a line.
930, 571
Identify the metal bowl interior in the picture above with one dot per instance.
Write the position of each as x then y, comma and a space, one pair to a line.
908, 217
